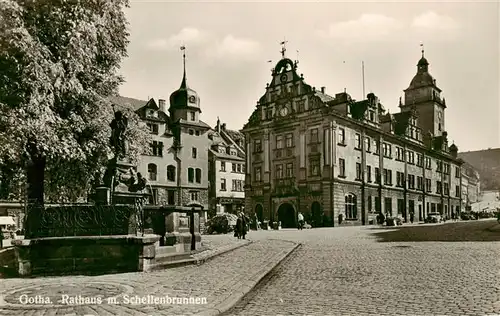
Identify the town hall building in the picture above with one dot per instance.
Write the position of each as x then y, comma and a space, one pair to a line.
322, 155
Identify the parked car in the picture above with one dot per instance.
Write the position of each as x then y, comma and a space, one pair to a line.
434, 217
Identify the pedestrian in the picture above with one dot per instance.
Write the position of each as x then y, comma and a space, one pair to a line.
340, 217
244, 225
300, 219
238, 227
411, 217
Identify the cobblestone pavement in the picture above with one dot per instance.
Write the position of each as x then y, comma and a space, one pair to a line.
344, 271
216, 281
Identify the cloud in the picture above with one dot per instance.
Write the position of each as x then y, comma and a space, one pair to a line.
367, 27
187, 36
432, 21
234, 48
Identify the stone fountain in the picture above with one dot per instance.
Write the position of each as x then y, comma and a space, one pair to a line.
103, 237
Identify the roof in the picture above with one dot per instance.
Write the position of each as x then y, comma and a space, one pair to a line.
135, 103
7, 220
235, 134
226, 156
200, 123
324, 97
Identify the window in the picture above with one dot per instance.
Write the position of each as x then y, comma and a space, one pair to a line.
439, 166
194, 195
198, 175
378, 206
388, 206
257, 173
351, 207
257, 146
193, 116
289, 140
191, 132
411, 157
279, 142
420, 161
358, 171
357, 141
223, 184
399, 153
387, 177
368, 173
190, 175
289, 170
314, 135
153, 197
400, 179
197, 133
447, 168
279, 171
341, 168
428, 162
223, 166
238, 168
377, 175
367, 144
387, 150
233, 167
439, 187
341, 136
269, 113
370, 206
376, 145
152, 171
457, 172
153, 128
314, 167
419, 183
171, 197
157, 148
446, 189
170, 173
428, 185
411, 182
194, 152
457, 191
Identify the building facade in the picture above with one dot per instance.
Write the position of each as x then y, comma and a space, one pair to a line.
176, 166
226, 170
471, 186
324, 156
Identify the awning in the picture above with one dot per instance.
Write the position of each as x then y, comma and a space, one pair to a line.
7, 220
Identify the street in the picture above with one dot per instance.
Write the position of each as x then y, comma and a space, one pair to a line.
344, 271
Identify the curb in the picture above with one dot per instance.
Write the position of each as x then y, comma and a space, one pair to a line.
218, 253
194, 261
246, 287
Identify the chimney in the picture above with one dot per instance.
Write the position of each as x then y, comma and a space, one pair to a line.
323, 90
161, 104
218, 125
223, 126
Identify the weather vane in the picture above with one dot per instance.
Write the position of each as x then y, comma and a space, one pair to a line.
283, 48
422, 45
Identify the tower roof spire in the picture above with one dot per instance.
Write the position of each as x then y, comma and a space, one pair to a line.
283, 48
422, 46
184, 80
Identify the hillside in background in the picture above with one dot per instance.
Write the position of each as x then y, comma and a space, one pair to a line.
487, 163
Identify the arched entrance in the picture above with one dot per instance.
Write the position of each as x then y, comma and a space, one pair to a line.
259, 211
317, 217
287, 216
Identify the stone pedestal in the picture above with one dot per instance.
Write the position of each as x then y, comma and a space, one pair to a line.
85, 254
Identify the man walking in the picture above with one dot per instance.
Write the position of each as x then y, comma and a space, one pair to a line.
300, 219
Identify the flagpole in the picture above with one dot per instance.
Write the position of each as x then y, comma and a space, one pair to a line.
363, 76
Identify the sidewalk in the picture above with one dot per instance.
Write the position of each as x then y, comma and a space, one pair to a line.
217, 284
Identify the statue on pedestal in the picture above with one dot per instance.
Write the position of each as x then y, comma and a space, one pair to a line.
118, 128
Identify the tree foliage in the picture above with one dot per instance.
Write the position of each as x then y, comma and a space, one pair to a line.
60, 62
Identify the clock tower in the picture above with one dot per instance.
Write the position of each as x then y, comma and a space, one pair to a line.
184, 102
423, 95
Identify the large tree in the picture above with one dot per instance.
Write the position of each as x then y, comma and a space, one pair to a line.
59, 62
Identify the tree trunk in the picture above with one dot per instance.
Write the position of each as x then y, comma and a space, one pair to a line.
35, 178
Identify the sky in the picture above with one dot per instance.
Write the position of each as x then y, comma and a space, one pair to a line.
229, 45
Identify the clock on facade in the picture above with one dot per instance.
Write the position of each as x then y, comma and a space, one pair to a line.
284, 111
192, 99
284, 78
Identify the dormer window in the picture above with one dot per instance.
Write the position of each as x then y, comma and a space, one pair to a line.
193, 116
152, 113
